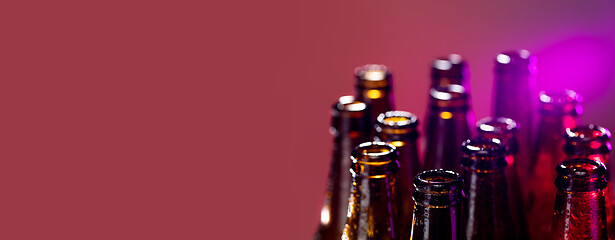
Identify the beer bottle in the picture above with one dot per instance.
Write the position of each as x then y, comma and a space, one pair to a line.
505, 129
369, 210
514, 97
400, 129
558, 111
375, 88
593, 142
438, 206
579, 211
350, 127
483, 166
448, 125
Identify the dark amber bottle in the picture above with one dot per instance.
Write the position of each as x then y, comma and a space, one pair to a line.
369, 210
558, 111
514, 95
400, 129
350, 127
505, 129
448, 125
483, 166
438, 208
593, 142
579, 211
375, 87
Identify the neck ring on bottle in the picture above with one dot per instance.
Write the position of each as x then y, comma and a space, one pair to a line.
588, 139
557, 103
373, 76
519, 62
449, 70
374, 160
483, 154
580, 175
500, 128
437, 188
397, 126
451, 96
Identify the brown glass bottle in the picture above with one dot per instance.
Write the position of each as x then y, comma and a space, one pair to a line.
483, 166
514, 97
579, 211
400, 129
505, 130
369, 210
438, 208
375, 87
350, 127
558, 111
593, 142
448, 125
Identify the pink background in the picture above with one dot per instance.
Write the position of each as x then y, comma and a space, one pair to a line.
209, 119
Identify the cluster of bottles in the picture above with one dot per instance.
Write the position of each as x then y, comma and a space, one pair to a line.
510, 177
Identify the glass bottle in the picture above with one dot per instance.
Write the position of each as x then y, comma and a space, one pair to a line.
375, 88
558, 111
369, 210
514, 97
450, 70
400, 129
505, 129
579, 211
593, 142
448, 125
438, 206
483, 166
350, 127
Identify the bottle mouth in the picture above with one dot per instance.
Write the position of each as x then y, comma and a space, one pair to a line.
438, 182
373, 76
349, 106
498, 126
483, 154
589, 138
517, 61
560, 102
580, 175
453, 68
452, 96
374, 159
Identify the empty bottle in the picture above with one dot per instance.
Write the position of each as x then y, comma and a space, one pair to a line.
438, 206
369, 211
558, 111
483, 169
515, 97
505, 129
593, 142
448, 125
350, 127
374, 87
579, 211
400, 129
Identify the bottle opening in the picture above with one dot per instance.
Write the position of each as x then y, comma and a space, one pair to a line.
350, 104
374, 159
438, 181
397, 119
372, 72
498, 125
483, 154
588, 133
580, 174
560, 102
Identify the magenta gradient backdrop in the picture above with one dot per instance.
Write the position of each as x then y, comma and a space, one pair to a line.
209, 119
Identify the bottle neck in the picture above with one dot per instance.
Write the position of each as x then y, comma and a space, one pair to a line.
579, 215
487, 206
439, 221
445, 130
380, 100
369, 209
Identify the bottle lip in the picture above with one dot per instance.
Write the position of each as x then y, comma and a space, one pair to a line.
589, 139
374, 159
560, 102
349, 106
521, 61
373, 76
397, 120
438, 182
452, 95
451, 66
498, 126
483, 154
580, 174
